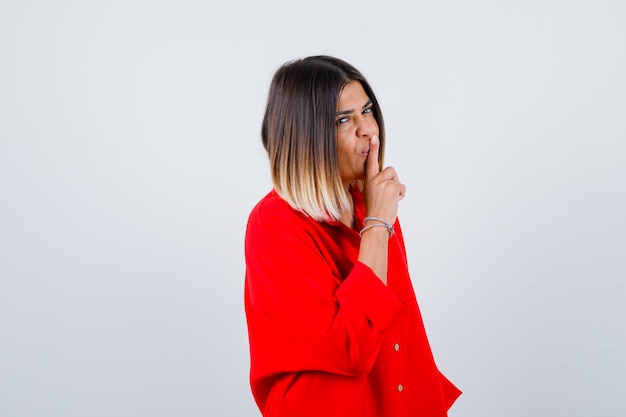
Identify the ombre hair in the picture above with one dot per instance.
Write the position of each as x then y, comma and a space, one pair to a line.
300, 135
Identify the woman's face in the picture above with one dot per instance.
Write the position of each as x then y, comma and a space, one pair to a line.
355, 127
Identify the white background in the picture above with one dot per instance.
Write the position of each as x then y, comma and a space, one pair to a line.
130, 157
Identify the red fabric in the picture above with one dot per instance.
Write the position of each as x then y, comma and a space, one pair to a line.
323, 328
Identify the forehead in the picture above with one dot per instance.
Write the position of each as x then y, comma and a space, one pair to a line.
352, 94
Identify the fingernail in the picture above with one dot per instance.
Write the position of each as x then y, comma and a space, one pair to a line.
374, 139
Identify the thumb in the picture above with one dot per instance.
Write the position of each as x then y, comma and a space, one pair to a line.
372, 168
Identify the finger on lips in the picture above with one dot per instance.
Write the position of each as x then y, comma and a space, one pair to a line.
372, 158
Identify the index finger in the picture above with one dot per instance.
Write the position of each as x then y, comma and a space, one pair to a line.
372, 167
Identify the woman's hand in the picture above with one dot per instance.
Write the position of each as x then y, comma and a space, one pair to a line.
383, 190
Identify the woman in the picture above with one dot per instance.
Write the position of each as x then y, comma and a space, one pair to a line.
333, 322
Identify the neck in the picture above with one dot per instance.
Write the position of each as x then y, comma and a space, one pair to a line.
347, 217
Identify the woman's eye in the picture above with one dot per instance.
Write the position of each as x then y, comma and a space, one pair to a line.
368, 110
342, 120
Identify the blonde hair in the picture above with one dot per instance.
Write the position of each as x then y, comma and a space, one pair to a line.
300, 137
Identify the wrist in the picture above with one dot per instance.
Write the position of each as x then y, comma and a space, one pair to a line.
371, 223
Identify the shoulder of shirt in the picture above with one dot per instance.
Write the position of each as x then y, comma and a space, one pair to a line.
272, 207
273, 219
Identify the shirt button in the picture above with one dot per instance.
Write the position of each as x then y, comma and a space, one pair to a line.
400, 387
396, 347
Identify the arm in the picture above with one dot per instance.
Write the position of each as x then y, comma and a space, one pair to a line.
383, 191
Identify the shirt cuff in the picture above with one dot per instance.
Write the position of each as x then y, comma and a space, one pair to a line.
371, 297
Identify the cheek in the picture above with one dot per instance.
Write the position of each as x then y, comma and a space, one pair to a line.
375, 126
344, 155
343, 158
342, 144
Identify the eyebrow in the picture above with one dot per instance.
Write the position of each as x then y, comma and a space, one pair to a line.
341, 113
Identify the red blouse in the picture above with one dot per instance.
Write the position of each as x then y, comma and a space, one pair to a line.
327, 337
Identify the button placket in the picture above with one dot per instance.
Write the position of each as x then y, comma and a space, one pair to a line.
396, 348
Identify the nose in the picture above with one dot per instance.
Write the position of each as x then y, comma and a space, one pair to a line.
367, 128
